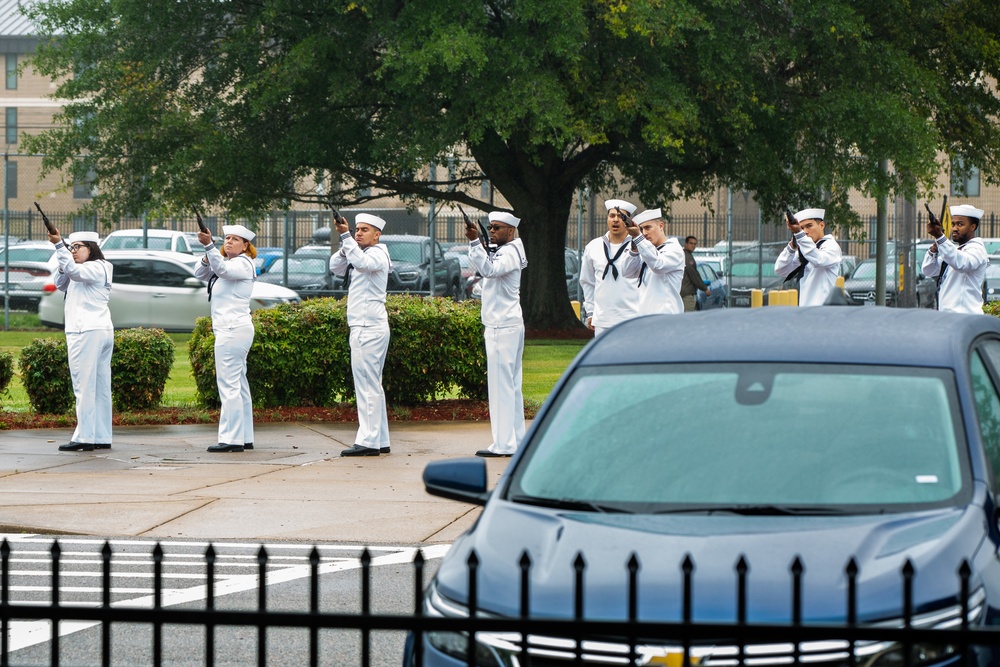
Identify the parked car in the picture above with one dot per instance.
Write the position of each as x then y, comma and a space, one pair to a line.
266, 257
717, 286
758, 467
308, 275
30, 267
158, 289
860, 287
153, 239
750, 275
469, 274
991, 290
411, 266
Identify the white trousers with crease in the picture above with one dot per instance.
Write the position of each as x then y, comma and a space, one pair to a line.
368, 349
90, 370
504, 350
236, 417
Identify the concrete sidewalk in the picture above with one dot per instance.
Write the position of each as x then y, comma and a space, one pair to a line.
158, 481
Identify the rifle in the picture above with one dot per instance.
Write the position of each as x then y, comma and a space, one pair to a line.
789, 218
201, 223
624, 216
48, 225
337, 217
483, 234
930, 215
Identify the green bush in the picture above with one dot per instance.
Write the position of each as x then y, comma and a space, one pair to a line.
6, 371
44, 364
140, 366
301, 353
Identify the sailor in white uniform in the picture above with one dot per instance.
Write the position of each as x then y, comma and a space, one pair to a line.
230, 275
504, 328
656, 263
812, 255
960, 263
367, 264
608, 296
85, 276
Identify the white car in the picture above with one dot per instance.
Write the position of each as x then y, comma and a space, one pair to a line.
158, 289
155, 239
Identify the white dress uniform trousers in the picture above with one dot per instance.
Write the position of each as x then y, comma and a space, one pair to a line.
234, 335
369, 322
608, 296
504, 335
961, 288
90, 340
658, 272
820, 275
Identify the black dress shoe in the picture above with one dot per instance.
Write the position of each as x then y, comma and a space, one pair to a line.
358, 450
383, 450
102, 445
77, 447
247, 445
222, 447
487, 454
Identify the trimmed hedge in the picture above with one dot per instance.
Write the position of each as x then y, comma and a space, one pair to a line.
44, 365
6, 371
301, 353
140, 366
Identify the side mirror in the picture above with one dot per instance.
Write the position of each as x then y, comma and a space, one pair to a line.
457, 479
193, 282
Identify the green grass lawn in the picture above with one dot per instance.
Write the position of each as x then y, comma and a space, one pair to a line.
544, 362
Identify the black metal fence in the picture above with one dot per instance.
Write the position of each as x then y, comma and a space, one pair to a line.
525, 640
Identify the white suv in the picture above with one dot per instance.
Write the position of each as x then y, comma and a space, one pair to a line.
155, 239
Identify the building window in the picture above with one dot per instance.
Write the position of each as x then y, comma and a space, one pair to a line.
964, 180
11, 71
485, 191
11, 125
11, 192
84, 189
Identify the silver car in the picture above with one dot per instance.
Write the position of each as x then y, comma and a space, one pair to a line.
158, 289
29, 268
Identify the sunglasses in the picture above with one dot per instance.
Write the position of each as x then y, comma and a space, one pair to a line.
496, 228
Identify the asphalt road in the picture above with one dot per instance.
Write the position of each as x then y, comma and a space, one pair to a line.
184, 585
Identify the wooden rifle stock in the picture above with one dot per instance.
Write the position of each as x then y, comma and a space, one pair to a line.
45, 219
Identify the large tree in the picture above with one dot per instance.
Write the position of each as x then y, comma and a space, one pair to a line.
236, 103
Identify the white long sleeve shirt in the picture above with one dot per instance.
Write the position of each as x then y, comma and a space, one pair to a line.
822, 269
369, 279
608, 298
961, 289
501, 282
658, 272
88, 290
230, 301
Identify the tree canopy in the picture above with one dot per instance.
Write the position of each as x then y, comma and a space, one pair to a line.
237, 103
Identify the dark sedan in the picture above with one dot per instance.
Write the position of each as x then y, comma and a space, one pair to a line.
823, 438
309, 276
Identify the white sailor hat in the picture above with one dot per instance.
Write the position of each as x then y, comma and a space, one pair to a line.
368, 219
80, 237
810, 214
648, 214
967, 211
620, 203
238, 230
505, 218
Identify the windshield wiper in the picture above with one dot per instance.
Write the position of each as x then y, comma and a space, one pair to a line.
757, 510
567, 504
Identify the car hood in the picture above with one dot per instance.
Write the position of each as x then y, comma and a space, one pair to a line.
264, 290
935, 541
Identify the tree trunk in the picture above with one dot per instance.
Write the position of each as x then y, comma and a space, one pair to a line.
540, 189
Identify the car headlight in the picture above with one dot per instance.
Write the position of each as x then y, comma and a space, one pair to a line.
991, 290
407, 275
456, 644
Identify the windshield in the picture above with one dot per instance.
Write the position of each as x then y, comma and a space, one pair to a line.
752, 269
866, 270
135, 242
300, 265
662, 438
408, 253
28, 254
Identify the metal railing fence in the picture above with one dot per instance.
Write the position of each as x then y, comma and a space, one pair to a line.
532, 640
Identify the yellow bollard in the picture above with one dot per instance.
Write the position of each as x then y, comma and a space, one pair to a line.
576, 308
756, 298
792, 298
840, 282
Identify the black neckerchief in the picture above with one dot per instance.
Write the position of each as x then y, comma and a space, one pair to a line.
801, 268
642, 271
611, 260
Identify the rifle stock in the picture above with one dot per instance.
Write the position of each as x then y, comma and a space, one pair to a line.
48, 225
201, 223
930, 215
483, 234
